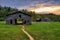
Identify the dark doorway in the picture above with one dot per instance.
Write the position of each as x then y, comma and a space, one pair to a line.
15, 21
10, 21
20, 16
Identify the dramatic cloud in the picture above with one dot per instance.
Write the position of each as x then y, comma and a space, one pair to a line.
39, 3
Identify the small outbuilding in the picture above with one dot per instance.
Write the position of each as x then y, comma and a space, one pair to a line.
38, 20
12, 18
46, 19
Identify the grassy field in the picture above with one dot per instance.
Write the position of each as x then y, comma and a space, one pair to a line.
45, 30
39, 31
11, 32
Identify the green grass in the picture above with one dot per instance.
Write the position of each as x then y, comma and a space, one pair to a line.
39, 30
11, 32
44, 30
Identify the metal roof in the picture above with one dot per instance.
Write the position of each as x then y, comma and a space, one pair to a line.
18, 12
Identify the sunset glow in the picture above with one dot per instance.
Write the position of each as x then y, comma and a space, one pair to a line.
51, 9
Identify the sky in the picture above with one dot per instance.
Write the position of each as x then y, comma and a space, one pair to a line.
39, 6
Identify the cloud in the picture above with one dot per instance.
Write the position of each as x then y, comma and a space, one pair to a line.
39, 3
43, 6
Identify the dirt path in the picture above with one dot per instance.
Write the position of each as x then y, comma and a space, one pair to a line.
30, 37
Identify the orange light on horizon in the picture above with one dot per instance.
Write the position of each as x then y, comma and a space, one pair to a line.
52, 9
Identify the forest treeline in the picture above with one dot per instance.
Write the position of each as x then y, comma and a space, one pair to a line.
7, 10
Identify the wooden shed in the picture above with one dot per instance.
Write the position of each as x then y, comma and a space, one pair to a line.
12, 18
